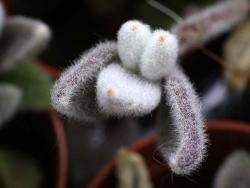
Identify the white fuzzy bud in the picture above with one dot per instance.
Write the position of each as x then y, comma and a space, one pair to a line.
132, 38
121, 93
160, 55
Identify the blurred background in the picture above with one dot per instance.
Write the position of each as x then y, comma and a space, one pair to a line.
78, 25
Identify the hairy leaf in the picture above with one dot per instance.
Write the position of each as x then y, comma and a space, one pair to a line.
74, 93
210, 23
186, 148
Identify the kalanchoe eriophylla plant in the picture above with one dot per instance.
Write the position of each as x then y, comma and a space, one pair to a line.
124, 79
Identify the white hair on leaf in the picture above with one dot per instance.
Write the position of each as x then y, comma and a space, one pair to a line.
189, 148
121, 93
132, 38
74, 92
159, 56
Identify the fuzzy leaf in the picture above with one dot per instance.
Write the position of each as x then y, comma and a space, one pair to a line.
160, 55
121, 93
186, 148
9, 100
74, 93
234, 171
18, 171
209, 23
131, 170
22, 38
132, 38
34, 84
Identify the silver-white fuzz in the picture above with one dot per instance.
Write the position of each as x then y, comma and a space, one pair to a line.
74, 94
21, 39
160, 55
121, 93
189, 149
209, 23
131, 40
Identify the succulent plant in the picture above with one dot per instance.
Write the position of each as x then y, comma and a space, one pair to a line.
110, 82
234, 171
22, 84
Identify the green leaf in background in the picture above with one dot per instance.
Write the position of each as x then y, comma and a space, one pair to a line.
10, 97
34, 83
18, 171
